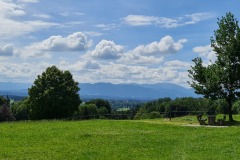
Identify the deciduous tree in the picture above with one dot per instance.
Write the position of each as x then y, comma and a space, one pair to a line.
221, 79
53, 95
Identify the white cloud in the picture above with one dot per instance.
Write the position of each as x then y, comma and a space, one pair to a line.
44, 16
140, 20
17, 72
7, 50
74, 42
8, 9
197, 17
88, 70
165, 46
106, 50
182, 79
203, 49
143, 20
123, 73
106, 26
176, 64
66, 14
93, 34
81, 65
28, 1
150, 54
206, 52
12, 27
133, 58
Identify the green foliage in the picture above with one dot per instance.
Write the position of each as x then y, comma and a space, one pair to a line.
96, 108
154, 115
220, 80
236, 107
100, 103
182, 107
5, 111
115, 104
20, 109
88, 111
53, 95
2, 100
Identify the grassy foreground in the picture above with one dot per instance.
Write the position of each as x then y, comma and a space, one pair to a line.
109, 139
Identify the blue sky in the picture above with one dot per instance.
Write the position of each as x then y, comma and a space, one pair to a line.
117, 41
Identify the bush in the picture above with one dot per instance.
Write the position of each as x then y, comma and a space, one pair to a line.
154, 115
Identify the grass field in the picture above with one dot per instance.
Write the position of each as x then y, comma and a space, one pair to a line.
113, 140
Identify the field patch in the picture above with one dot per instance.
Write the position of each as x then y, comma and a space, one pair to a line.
112, 139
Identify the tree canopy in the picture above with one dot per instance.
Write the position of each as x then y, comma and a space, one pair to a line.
221, 79
53, 95
100, 103
5, 110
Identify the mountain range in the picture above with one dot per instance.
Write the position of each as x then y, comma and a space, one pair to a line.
111, 91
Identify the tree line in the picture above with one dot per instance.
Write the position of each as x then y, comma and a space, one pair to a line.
166, 107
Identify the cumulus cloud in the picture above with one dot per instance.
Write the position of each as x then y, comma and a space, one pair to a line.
74, 42
149, 54
143, 20
133, 58
9, 9
206, 52
106, 50
81, 65
165, 46
7, 50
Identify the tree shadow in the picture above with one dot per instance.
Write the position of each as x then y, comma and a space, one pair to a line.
232, 123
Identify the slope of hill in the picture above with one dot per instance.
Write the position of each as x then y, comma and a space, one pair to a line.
112, 91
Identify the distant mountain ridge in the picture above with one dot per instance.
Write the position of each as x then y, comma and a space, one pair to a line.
111, 91
136, 91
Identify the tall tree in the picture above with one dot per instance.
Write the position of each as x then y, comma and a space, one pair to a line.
53, 95
221, 79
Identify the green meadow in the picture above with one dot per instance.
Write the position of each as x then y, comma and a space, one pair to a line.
115, 139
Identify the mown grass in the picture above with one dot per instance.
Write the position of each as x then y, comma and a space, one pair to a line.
111, 139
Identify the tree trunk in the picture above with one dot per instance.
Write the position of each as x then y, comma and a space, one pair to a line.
230, 110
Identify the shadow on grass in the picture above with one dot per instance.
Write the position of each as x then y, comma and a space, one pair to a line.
233, 123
